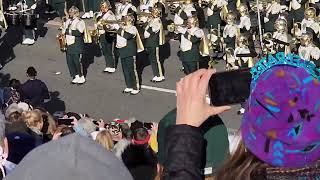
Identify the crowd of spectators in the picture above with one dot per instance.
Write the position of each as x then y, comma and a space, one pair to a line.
279, 135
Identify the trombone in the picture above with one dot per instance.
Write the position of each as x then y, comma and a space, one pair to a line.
173, 27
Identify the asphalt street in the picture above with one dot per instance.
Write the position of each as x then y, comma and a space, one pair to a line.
101, 96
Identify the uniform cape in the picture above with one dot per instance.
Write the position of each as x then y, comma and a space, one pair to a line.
3, 22
140, 46
162, 36
204, 48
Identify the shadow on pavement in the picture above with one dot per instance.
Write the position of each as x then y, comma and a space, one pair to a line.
55, 104
90, 51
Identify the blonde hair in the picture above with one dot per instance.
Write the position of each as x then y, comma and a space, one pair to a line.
105, 139
75, 10
32, 118
52, 126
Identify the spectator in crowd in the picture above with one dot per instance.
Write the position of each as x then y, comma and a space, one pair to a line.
34, 90
49, 124
12, 94
18, 134
279, 134
216, 138
104, 138
4, 148
61, 131
72, 157
279, 128
139, 158
84, 127
34, 122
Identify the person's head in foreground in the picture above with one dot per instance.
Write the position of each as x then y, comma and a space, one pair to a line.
33, 120
72, 157
104, 138
280, 128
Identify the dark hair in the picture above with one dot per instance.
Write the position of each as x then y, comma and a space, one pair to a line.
14, 83
140, 134
15, 117
31, 71
76, 115
126, 131
66, 131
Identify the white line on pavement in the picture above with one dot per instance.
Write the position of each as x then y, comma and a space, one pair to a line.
158, 89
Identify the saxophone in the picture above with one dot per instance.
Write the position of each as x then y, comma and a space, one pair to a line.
61, 38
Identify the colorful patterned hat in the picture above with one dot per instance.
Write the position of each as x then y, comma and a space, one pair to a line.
281, 125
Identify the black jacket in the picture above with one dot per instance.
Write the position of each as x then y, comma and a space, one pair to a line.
184, 150
35, 91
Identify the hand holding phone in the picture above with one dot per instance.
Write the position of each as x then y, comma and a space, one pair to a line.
192, 108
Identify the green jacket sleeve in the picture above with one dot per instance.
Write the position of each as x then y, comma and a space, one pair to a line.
76, 33
125, 34
193, 39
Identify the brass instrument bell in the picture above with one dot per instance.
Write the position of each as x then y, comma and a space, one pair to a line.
94, 35
306, 39
61, 38
267, 36
173, 27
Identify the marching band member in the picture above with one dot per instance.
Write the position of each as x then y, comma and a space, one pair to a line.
309, 21
245, 22
124, 8
230, 31
74, 28
242, 53
230, 60
128, 42
297, 8
308, 51
213, 12
29, 33
190, 45
183, 12
296, 36
272, 13
281, 37
153, 35
107, 39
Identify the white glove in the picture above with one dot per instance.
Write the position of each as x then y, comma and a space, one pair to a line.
146, 34
265, 19
181, 29
144, 7
115, 26
34, 6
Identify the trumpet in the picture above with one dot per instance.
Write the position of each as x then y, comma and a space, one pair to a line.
103, 22
95, 35
61, 38
141, 17
173, 27
171, 4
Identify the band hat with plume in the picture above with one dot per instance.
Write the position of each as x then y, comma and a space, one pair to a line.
281, 125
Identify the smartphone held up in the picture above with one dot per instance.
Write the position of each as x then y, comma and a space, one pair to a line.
230, 87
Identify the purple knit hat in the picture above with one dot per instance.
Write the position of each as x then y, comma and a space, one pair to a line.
281, 125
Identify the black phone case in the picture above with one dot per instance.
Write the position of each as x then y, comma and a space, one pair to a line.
230, 87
